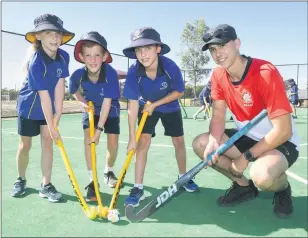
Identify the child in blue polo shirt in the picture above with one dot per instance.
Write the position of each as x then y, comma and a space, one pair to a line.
292, 93
157, 79
40, 100
205, 101
99, 82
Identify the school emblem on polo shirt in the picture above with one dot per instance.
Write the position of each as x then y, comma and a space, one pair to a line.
164, 85
246, 97
59, 72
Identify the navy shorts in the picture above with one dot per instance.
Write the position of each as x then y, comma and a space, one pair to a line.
207, 99
28, 127
172, 122
288, 149
294, 102
112, 125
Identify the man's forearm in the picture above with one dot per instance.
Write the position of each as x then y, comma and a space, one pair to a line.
271, 140
217, 124
169, 98
133, 108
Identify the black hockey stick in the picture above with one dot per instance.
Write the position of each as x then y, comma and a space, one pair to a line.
166, 195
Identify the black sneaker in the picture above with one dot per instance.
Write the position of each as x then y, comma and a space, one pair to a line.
49, 191
110, 179
91, 196
282, 201
237, 194
19, 188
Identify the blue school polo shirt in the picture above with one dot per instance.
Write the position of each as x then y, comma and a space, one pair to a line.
139, 86
43, 74
205, 93
294, 90
107, 86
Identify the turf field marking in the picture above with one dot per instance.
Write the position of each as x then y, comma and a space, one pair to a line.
300, 179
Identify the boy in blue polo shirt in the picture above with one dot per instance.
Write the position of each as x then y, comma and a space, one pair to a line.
40, 100
205, 101
100, 85
157, 79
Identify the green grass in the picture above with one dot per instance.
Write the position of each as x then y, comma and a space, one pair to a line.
186, 215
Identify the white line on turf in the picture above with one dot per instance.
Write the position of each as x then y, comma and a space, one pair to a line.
300, 179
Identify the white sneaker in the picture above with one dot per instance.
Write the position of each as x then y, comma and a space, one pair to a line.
110, 179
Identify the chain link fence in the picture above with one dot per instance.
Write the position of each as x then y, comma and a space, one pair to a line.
14, 52
15, 49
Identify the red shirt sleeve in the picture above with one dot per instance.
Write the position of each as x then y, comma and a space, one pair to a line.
216, 89
273, 93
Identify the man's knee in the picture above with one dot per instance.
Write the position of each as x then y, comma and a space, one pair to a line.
261, 178
199, 144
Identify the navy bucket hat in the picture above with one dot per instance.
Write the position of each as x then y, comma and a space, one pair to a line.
96, 38
142, 37
218, 35
48, 22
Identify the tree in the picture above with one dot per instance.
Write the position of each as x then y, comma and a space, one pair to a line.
193, 59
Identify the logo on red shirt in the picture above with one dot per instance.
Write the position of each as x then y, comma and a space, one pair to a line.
246, 97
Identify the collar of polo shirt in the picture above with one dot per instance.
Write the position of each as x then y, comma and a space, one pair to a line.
47, 59
101, 77
160, 69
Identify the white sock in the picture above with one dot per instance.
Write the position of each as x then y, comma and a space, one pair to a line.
107, 169
140, 186
181, 175
90, 173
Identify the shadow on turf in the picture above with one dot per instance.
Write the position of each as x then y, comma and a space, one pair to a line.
254, 218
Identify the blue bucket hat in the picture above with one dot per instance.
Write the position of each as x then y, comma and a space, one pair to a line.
48, 22
142, 37
96, 38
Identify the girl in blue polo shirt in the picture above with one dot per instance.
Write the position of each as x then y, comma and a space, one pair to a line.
157, 79
40, 100
99, 83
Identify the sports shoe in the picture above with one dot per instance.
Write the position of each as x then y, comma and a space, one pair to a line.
49, 191
110, 179
91, 196
237, 194
19, 188
136, 195
195, 116
191, 186
282, 201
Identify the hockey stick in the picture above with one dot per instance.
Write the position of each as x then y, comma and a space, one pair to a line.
89, 211
127, 162
166, 195
102, 211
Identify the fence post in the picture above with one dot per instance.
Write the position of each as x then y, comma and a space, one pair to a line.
297, 74
185, 89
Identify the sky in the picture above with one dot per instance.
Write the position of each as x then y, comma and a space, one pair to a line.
274, 31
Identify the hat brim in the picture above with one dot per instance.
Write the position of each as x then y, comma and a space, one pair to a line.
130, 50
215, 41
77, 51
67, 35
